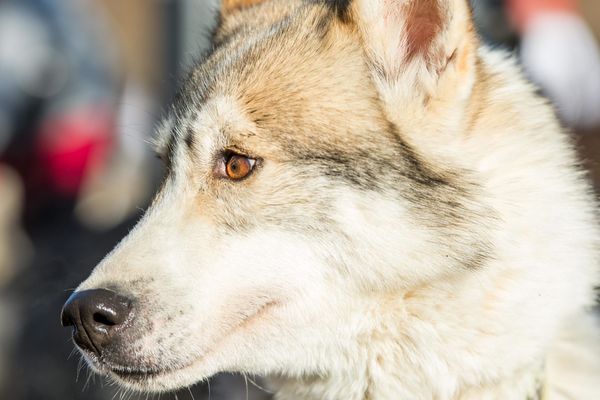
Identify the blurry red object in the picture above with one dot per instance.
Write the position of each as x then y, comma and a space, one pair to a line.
72, 145
523, 11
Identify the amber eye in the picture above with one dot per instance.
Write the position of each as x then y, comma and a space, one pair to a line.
238, 167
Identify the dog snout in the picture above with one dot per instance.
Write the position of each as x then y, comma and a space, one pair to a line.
97, 317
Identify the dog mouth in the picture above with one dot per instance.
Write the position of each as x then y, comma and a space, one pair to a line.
142, 376
132, 374
136, 375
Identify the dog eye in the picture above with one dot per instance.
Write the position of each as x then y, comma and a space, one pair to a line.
238, 167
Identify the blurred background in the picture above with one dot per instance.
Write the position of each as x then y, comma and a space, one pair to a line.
82, 84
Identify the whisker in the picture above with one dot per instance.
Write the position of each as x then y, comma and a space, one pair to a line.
79, 367
260, 387
72, 353
192, 394
87, 381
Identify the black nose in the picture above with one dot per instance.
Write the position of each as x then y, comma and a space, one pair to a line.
96, 317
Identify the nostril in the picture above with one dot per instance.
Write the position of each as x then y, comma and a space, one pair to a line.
96, 314
103, 319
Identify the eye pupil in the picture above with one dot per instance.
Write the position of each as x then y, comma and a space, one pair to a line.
238, 167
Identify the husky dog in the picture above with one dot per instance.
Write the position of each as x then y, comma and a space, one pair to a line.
360, 202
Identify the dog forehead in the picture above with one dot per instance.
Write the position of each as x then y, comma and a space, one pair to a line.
204, 128
294, 85
220, 118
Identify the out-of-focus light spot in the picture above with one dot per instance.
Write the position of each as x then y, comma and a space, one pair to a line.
28, 56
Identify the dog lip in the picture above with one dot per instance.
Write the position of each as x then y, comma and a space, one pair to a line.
136, 374
132, 373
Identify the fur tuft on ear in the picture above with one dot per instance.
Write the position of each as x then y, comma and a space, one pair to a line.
404, 34
228, 6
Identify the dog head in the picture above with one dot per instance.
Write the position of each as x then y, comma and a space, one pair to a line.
294, 194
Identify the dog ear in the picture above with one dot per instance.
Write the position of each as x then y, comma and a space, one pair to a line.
417, 41
227, 6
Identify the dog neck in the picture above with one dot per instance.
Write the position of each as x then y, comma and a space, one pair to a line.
414, 351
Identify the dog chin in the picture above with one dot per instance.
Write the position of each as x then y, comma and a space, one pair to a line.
151, 381
141, 379
146, 381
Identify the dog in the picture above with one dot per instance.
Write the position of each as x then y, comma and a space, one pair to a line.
361, 201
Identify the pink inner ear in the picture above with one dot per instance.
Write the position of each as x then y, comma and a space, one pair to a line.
424, 21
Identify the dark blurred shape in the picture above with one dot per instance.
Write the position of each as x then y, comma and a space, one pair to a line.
57, 93
14, 253
492, 23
